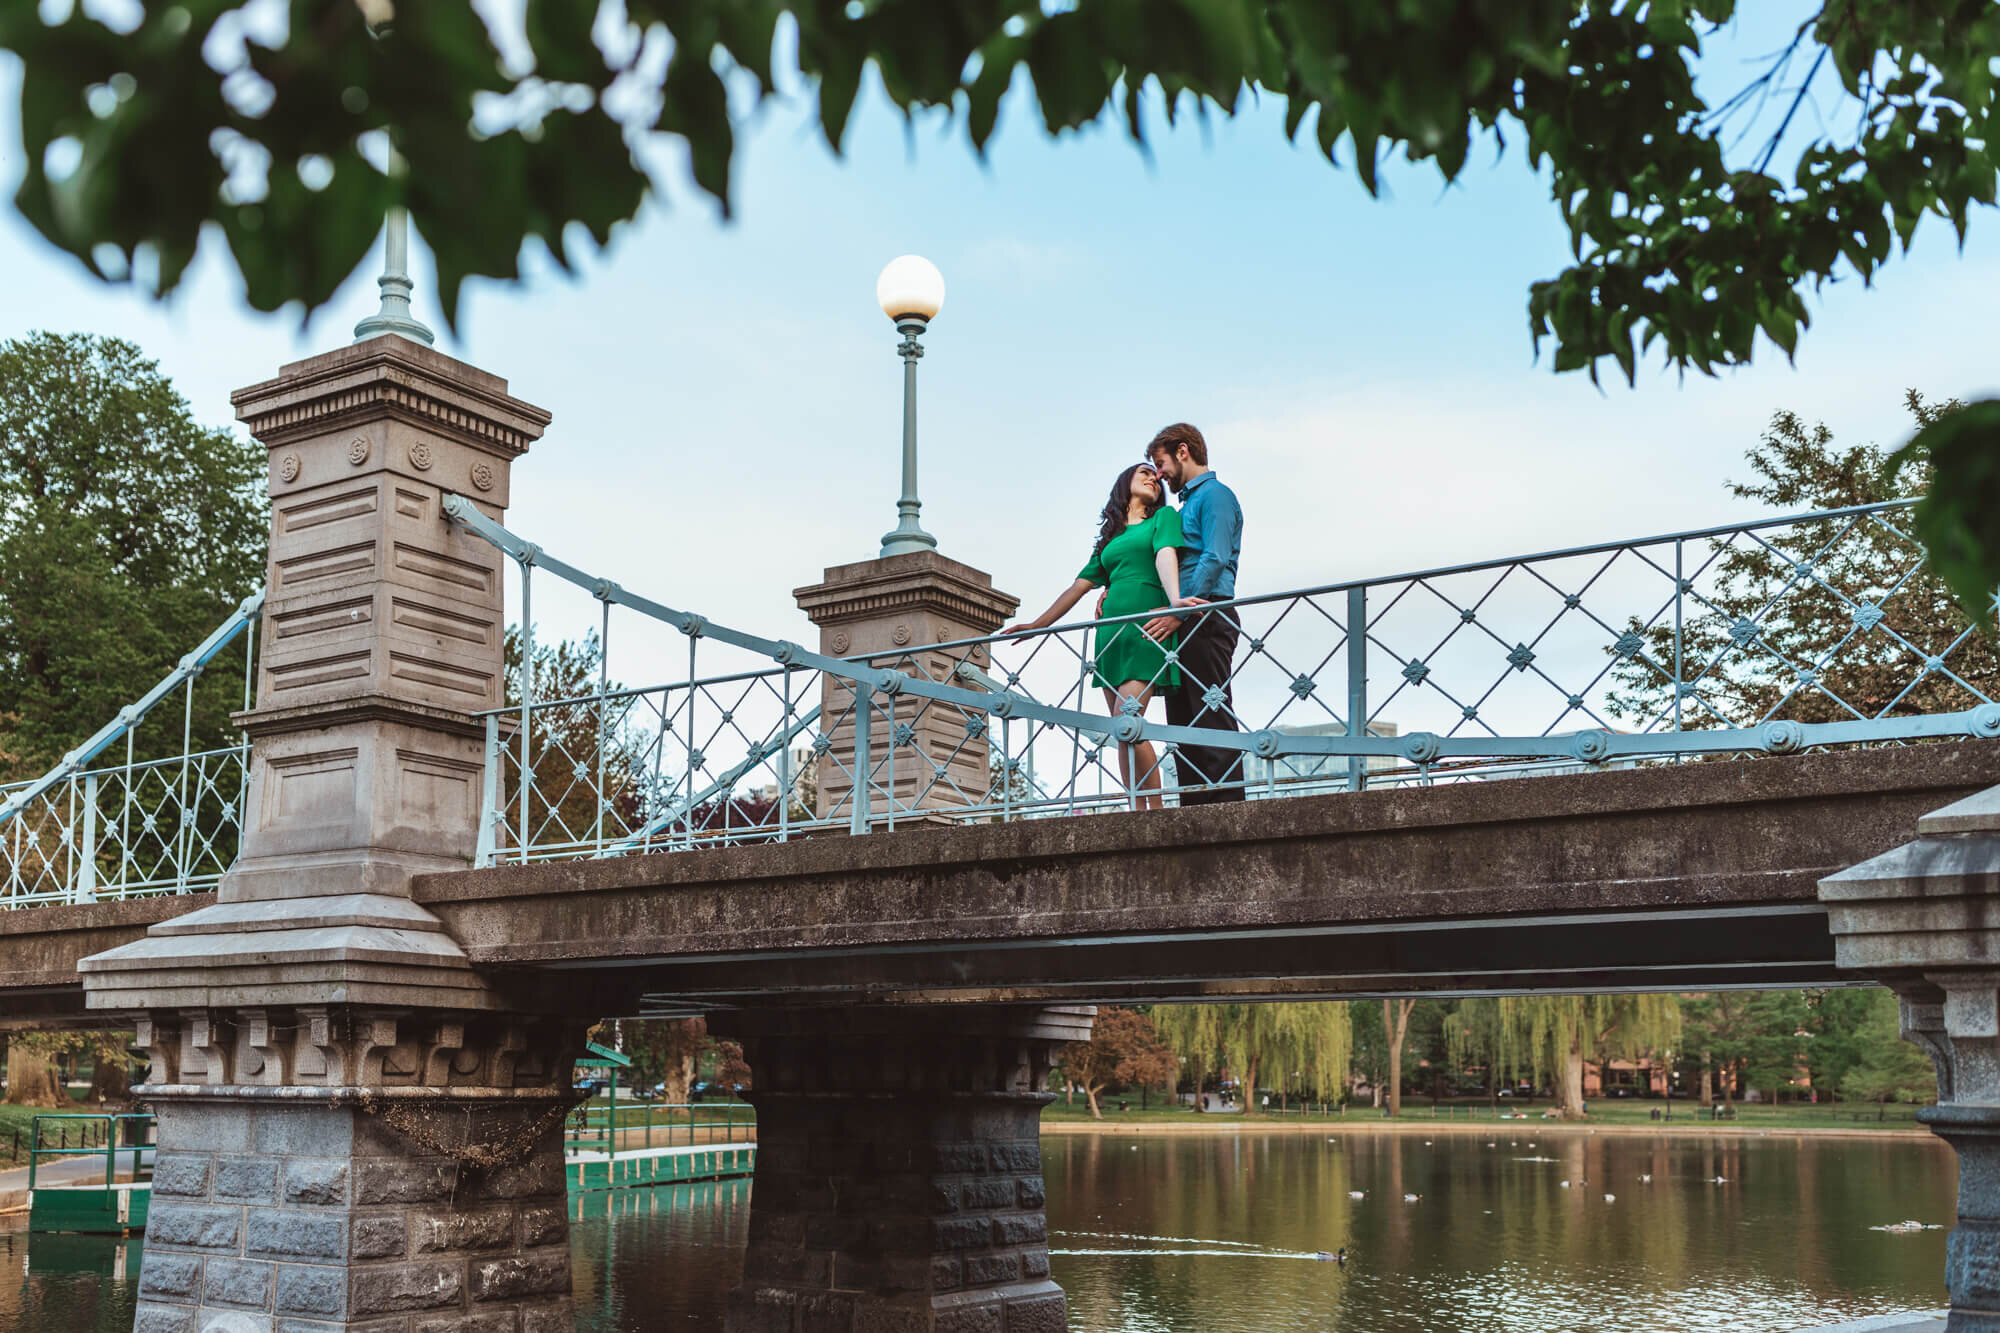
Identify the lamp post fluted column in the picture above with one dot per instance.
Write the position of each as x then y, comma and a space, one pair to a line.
395, 315
908, 534
910, 291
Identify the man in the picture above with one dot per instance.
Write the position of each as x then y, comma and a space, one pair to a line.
1212, 522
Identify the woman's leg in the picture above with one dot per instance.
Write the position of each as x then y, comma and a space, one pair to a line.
1138, 764
1112, 700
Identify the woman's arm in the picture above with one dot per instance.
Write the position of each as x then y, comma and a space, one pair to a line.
1166, 561
1070, 597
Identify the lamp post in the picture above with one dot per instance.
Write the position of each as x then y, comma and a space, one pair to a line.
394, 316
1668, 1056
911, 292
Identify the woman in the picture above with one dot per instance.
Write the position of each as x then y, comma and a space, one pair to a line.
1134, 561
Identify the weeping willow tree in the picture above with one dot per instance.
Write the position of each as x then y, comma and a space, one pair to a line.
1550, 1036
1252, 1041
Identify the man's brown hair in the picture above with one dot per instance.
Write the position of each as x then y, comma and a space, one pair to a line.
1173, 437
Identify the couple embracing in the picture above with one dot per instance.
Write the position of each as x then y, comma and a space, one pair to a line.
1152, 557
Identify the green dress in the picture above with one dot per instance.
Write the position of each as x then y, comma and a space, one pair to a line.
1124, 568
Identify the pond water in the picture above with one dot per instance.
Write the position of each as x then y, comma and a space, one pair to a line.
1219, 1232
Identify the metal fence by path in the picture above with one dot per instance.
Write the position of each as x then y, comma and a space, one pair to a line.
112, 820
1766, 637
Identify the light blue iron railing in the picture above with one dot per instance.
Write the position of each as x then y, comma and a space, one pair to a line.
1767, 637
98, 826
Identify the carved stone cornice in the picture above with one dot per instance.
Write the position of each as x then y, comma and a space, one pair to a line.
390, 377
921, 580
338, 1053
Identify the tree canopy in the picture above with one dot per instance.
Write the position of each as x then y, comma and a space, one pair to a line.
127, 531
1777, 635
1123, 1047
1262, 1044
137, 137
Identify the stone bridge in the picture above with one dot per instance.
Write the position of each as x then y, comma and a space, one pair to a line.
1689, 877
360, 1050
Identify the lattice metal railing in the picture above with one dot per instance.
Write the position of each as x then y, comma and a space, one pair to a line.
1767, 637
108, 823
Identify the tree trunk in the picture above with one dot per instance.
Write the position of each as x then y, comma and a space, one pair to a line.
108, 1081
1728, 1081
1069, 1092
32, 1080
1707, 1081
1250, 1089
678, 1075
1090, 1095
1395, 1024
1569, 1086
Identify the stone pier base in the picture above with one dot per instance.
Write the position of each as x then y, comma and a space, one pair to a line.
310, 1210
1924, 919
1972, 1254
898, 1185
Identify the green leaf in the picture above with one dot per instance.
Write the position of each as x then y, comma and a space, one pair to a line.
559, 34
1958, 519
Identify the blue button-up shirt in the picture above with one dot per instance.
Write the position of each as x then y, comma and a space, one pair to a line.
1212, 522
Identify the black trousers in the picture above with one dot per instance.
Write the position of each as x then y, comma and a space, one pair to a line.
1207, 652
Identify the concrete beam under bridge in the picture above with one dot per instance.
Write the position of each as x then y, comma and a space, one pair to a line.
1700, 875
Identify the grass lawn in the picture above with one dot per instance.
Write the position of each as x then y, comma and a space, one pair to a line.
20, 1120
1847, 1116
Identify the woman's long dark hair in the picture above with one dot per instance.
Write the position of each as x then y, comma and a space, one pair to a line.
1113, 520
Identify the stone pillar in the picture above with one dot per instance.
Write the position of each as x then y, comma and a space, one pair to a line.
381, 639
356, 1129
898, 1182
335, 1169
1924, 920
895, 610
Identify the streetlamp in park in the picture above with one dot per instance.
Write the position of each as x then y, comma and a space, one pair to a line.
911, 291
1668, 1057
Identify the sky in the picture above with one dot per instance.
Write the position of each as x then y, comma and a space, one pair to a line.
727, 396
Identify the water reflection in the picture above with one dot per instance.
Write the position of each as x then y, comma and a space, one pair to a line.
86, 1283
1221, 1233
657, 1258
1160, 1233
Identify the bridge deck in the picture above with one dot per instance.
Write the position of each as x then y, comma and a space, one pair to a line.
1689, 876
1684, 877
40, 946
